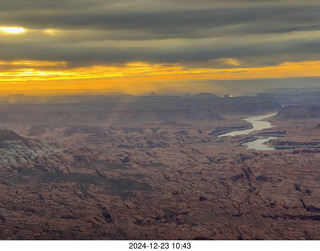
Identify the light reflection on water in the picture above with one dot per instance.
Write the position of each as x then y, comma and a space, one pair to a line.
260, 144
257, 125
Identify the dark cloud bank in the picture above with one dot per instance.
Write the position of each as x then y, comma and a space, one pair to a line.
267, 32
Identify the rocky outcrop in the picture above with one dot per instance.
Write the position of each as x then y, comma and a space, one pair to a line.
225, 129
16, 149
280, 144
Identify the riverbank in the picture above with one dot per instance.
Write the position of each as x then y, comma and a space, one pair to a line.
258, 142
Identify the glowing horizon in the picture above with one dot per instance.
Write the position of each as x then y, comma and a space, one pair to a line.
49, 76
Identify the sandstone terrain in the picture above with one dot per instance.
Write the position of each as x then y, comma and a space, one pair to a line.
155, 168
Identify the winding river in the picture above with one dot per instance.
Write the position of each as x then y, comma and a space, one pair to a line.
257, 124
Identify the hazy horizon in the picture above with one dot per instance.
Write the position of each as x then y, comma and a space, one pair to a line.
221, 88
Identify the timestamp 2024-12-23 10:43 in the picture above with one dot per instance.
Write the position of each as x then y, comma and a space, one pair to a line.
160, 245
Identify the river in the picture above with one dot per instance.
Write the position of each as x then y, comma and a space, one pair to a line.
257, 124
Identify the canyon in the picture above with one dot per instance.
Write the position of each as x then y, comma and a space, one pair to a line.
158, 167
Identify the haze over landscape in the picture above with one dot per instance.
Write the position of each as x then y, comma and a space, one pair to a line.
159, 120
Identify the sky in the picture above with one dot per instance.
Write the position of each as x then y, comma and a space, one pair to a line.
164, 46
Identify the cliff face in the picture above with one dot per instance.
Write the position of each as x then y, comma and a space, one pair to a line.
15, 149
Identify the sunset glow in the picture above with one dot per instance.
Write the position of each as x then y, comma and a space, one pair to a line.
22, 71
135, 76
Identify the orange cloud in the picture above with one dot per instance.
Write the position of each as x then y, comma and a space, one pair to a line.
52, 77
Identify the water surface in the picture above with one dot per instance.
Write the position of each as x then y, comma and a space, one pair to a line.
260, 143
257, 125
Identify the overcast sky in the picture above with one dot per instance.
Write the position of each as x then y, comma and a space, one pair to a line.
213, 34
